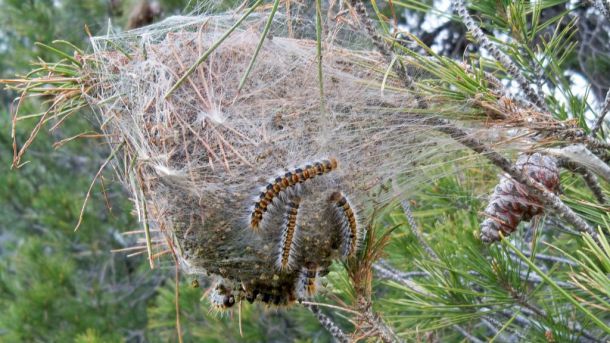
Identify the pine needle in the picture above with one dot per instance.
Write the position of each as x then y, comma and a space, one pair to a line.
147, 230
260, 44
99, 172
558, 288
212, 48
319, 53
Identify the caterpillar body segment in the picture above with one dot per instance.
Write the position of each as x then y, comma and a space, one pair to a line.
347, 222
283, 183
307, 281
287, 249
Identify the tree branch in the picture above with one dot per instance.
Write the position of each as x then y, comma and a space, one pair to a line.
466, 334
549, 199
603, 7
589, 178
415, 229
328, 324
602, 114
579, 154
504, 60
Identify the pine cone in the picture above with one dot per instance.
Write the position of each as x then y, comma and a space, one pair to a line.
511, 203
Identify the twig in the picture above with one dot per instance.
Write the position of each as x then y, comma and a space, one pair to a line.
589, 178
328, 324
380, 44
579, 154
385, 333
389, 273
145, 223
519, 319
493, 325
330, 306
415, 229
550, 258
467, 334
594, 143
604, 110
406, 275
603, 7
319, 53
554, 223
504, 60
535, 279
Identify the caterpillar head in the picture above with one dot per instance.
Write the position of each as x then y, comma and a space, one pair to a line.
225, 295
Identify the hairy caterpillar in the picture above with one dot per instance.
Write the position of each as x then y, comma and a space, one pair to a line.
291, 178
287, 249
347, 222
306, 282
223, 297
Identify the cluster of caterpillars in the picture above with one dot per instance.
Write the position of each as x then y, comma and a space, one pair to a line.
345, 213
283, 183
224, 293
302, 273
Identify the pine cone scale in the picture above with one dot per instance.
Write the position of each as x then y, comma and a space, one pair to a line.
511, 203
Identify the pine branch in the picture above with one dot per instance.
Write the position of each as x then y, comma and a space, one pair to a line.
386, 51
603, 6
550, 258
537, 190
579, 154
525, 322
496, 326
385, 333
535, 279
604, 110
548, 198
466, 334
383, 267
528, 306
415, 229
556, 224
328, 324
379, 42
594, 143
589, 178
389, 273
504, 60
